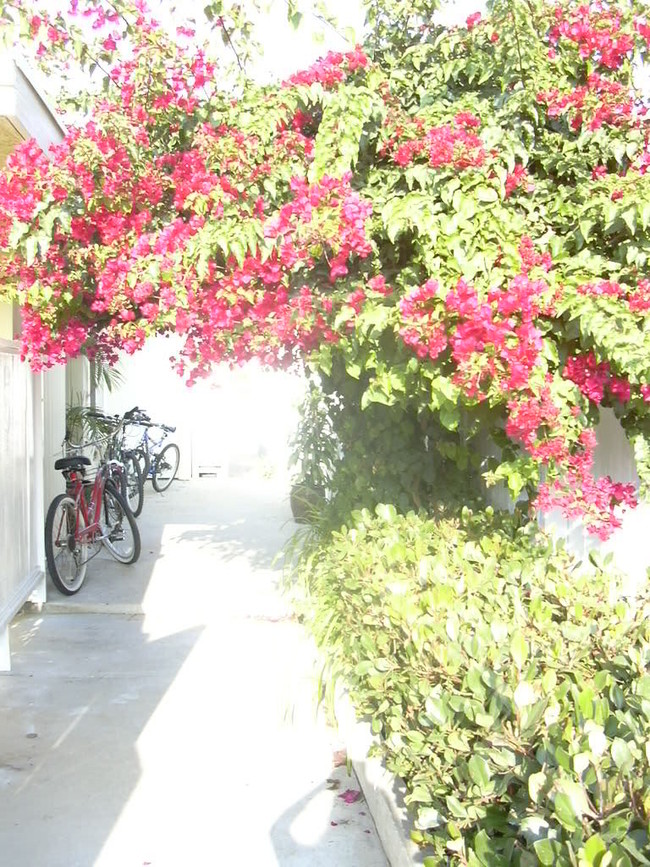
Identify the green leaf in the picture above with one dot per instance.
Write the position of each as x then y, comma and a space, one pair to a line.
622, 755
455, 807
18, 231
518, 649
636, 843
564, 811
536, 783
31, 250
386, 512
487, 194
479, 771
449, 416
594, 848
546, 851
436, 710
429, 818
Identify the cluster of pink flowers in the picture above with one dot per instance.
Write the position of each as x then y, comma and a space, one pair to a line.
595, 378
530, 258
492, 346
331, 70
249, 311
532, 421
423, 331
517, 178
332, 196
22, 185
596, 31
451, 144
603, 288
494, 340
378, 284
601, 101
178, 79
578, 493
639, 299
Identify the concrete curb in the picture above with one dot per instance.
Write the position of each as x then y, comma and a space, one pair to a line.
384, 793
127, 609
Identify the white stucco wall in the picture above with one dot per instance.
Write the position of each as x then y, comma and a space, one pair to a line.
21, 471
32, 406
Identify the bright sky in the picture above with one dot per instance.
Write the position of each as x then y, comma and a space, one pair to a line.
287, 50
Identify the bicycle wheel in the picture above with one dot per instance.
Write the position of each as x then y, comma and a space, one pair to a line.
144, 462
120, 534
166, 467
134, 494
66, 556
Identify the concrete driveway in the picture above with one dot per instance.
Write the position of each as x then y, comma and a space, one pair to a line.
164, 715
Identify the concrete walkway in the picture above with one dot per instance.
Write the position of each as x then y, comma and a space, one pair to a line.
164, 716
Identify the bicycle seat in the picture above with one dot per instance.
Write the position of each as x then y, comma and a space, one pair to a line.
75, 462
136, 415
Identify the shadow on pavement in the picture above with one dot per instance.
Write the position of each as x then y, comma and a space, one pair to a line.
82, 691
164, 715
322, 829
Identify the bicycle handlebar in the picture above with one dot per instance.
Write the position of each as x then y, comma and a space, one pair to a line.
135, 415
139, 417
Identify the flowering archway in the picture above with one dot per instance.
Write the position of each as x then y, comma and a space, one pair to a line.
447, 224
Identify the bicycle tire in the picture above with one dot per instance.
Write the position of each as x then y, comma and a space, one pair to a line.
144, 461
66, 558
134, 494
166, 467
114, 513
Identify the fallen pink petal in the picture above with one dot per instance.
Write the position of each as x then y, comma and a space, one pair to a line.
350, 796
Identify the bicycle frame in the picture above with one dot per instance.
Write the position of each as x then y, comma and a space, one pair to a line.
151, 444
88, 506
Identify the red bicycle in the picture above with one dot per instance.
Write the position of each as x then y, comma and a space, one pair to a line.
88, 515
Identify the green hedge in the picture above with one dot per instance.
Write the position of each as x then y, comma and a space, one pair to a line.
508, 688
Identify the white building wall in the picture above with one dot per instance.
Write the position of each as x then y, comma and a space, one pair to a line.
21, 488
32, 407
21, 102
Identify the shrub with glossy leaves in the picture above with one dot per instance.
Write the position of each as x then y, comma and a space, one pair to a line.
510, 690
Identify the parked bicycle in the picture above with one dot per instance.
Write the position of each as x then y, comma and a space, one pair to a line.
158, 460
90, 514
106, 436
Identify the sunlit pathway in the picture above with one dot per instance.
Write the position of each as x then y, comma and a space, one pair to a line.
164, 716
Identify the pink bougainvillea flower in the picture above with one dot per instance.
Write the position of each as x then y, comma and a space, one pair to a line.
350, 796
